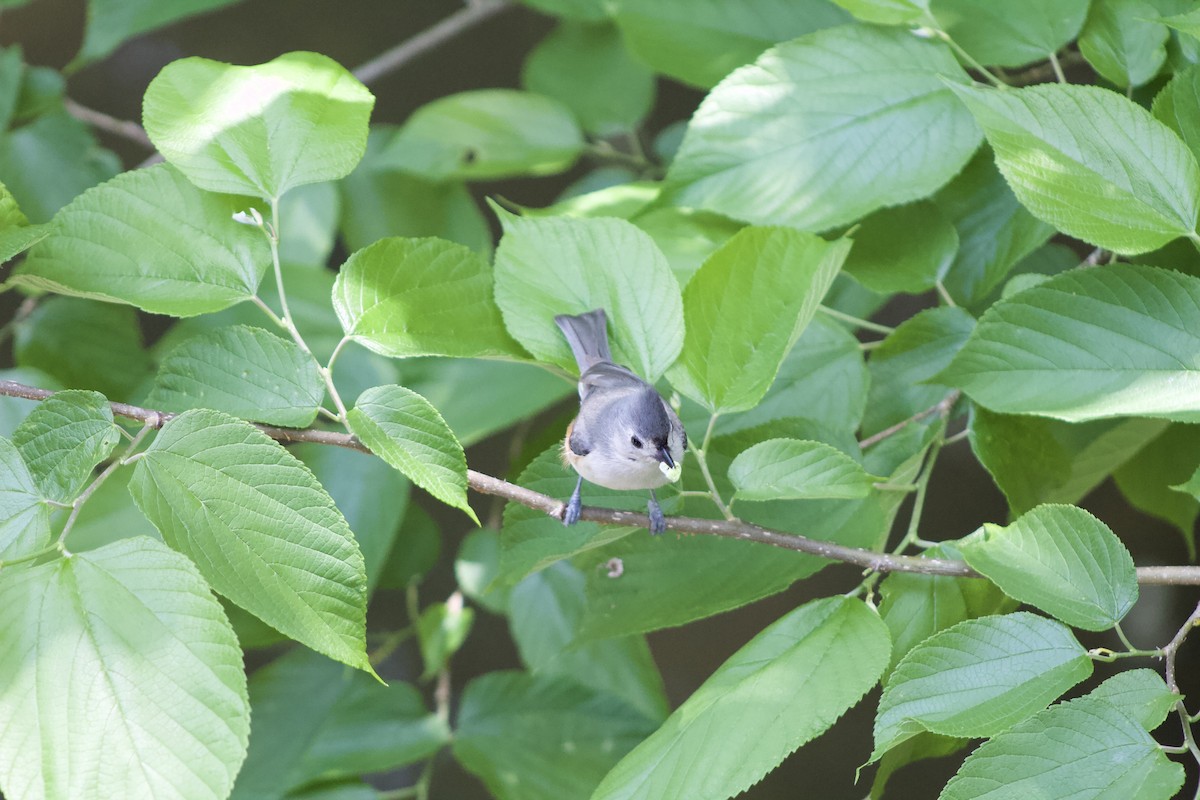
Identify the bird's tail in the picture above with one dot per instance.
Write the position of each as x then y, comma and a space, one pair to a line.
587, 334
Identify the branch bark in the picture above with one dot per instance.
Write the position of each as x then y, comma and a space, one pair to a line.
127, 130
553, 507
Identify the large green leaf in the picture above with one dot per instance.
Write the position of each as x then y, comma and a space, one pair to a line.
1149, 479
994, 230
1122, 41
1062, 560
1084, 749
887, 12
550, 266
903, 249
151, 239
978, 678
914, 606
531, 738
260, 528
123, 645
588, 69
792, 469
260, 130
111, 22
1037, 460
745, 309
701, 41
788, 685
421, 297
84, 344
63, 439
243, 371
1140, 693
545, 610
1013, 33
485, 134
402, 428
902, 367
826, 128
24, 518
1043, 352
1129, 194
1177, 105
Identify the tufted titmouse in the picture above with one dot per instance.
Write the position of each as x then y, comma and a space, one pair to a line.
625, 436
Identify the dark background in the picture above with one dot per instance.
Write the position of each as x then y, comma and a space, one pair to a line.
961, 497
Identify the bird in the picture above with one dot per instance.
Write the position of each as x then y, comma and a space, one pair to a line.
625, 436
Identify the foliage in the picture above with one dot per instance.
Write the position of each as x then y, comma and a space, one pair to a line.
845, 152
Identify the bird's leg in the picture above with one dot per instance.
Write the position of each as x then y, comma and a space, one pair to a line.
574, 505
658, 520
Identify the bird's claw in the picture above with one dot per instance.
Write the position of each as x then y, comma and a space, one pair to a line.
574, 506
658, 520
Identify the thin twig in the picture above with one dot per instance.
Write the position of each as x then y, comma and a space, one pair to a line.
941, 407
475, 12
1172, 648
731, 529
130, 131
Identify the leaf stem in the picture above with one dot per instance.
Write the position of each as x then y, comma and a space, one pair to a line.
702, 459
970, 60
857, 322
79, 502
944, 293
914, 520
1058, 70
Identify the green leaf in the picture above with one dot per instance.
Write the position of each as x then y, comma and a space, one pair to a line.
243, 371
788, 685
24, 518
978, 678
1129, 194
801, 137
531, 540
84, 344
151, 239
686, 237
902, 367
1187, 22
1082, 749
51, 160
823, 376
261, 529
372, 496
14, 410
110, 515
587, 69
441, 631
550, 266
918, 748
745, 309
259, 130
903, 249
1140, 693
791, 469
402, 428
994, 230
379, 202
583, 10
111, 22
63, 439
14, 241
140, 649
1148, 480
701, 41
1041, 351
486, 134
1016, 33
915, 606
539, 738
545, 612
1177, 105
312, 212
887, 12
420, 297
1062, 560
1122, 42
416, 550
1036, 460
476, 567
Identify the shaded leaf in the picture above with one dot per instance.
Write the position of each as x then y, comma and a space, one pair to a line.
24, 518
63, 439
791, 469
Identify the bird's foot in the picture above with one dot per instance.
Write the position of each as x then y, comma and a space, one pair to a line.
574, 506
658, 520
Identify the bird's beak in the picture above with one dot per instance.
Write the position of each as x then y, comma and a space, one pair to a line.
664, 455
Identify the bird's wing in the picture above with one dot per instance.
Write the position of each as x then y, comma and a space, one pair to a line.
607, 375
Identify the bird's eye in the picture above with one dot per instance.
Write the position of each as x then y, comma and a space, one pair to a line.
636, 442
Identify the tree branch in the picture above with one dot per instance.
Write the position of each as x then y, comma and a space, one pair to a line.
1172, 649
553, 507
127, 130
475, 12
